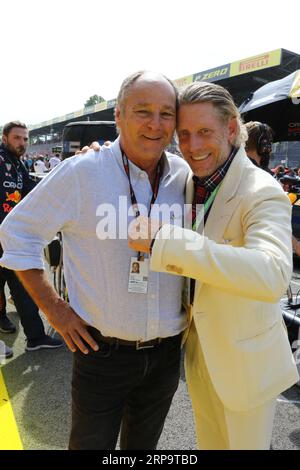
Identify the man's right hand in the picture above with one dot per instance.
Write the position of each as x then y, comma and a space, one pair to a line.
71, 327
59, 313
94, 146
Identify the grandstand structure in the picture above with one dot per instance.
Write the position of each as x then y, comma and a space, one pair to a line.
240, 78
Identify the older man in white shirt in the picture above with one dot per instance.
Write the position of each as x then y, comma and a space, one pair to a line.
124, 328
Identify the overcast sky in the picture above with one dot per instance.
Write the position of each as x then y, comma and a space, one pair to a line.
56, 54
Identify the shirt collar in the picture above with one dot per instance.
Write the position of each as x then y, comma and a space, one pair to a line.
135, 171
211, 182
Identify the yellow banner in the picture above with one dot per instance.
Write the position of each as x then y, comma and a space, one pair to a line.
184, 81
258, 62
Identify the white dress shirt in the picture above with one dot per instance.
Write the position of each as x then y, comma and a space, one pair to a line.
96, 270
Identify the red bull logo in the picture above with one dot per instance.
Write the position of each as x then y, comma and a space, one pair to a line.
13, 197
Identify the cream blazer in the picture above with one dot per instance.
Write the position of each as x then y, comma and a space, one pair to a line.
242, 265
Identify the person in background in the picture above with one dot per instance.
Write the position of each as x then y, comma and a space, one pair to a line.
279, 172
15, 184
39, 165
27, 161
259, 144
54, 161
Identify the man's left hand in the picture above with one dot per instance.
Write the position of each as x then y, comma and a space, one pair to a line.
94, 146
141, 233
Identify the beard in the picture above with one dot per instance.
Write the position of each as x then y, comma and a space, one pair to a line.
17, 151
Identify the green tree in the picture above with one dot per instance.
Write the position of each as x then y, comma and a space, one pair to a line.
93, 100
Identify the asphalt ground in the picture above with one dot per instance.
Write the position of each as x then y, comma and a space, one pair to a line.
38, 385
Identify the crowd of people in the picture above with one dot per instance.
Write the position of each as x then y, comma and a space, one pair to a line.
41, 163
231, 266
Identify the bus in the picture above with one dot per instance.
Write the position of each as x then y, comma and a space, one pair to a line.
78, 134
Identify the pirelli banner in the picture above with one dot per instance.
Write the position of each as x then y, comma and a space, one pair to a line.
258, 62
251, 64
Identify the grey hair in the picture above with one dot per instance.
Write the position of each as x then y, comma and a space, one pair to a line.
130, 81
205, 92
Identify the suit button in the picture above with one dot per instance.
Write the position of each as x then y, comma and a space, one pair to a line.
170, 267
175, 269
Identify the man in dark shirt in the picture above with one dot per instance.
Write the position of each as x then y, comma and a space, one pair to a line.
15, 184
259, 144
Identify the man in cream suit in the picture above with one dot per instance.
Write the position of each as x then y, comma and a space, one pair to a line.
238, 357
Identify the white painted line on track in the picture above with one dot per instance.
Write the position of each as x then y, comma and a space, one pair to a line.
292, 402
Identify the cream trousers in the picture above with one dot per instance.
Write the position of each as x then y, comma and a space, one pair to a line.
217, 427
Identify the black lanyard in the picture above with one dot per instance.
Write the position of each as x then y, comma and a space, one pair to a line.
158, 175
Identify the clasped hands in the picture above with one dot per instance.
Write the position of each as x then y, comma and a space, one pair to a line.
141, 232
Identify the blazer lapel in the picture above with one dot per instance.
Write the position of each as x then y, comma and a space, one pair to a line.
219, 217
226, 199
225, 202
189, 189
189, 195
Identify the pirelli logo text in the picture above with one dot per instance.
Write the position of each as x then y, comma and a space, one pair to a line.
254, 63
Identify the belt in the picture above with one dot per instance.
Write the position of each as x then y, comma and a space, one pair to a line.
124, 342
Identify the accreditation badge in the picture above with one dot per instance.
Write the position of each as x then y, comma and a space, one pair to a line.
138, 275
